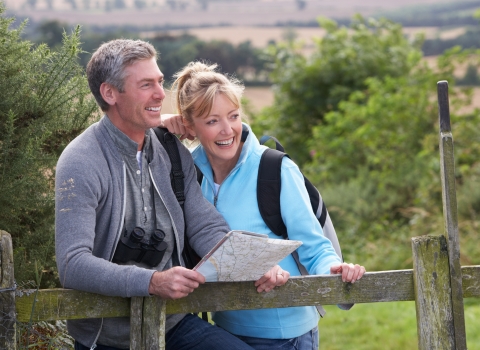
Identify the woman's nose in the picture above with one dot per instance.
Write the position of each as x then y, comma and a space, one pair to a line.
226, 128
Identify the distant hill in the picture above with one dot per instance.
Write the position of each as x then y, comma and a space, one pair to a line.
188, 13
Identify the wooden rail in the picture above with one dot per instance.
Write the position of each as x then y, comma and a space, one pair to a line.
437, 283
148, 314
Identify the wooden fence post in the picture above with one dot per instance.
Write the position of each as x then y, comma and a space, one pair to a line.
147, 323
449, 199
431, 280
7, 293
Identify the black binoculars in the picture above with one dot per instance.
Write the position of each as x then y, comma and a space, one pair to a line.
133, 247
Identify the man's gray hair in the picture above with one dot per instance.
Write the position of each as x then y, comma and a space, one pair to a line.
108, 64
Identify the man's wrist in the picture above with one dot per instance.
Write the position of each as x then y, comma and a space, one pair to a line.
151, 287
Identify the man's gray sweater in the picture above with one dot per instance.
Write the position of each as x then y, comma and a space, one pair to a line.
90, 209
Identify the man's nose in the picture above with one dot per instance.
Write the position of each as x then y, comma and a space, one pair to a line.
160, 92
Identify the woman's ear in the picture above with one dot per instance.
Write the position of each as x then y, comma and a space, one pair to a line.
190, 128
108, 93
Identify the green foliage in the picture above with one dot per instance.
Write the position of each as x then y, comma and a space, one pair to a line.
242, 60
360, 116
377, 157
471, 76
440, 14
44, 335
468, 40
45, 104
306, 89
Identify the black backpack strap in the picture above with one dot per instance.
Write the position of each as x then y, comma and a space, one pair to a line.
268, 196
168, 141
315, 200
199, 175
278, 145
268, 190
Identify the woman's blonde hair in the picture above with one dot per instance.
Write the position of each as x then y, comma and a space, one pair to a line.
196, 86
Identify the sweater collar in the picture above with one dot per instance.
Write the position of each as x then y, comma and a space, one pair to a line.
125, 145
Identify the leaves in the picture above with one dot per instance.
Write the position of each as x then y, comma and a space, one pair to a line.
360, 116
306, 89
45, 103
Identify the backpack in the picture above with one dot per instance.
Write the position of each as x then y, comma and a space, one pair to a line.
167, 139
268, 198
268, 195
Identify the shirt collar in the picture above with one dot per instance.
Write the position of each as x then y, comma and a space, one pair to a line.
125, 145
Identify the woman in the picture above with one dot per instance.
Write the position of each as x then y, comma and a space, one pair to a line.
229, 156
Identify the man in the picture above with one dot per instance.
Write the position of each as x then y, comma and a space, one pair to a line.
112, 185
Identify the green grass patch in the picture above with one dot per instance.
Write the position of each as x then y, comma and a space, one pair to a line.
384, 326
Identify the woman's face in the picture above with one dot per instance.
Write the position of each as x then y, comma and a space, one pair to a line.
220, 131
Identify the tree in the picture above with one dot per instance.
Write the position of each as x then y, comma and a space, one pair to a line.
45, 104
306, 88
377, 156
51, 33
73, 4
140, 4
471, 76
242, 60
32, 3
361, 116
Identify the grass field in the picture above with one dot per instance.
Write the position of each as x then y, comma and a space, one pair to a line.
384, 326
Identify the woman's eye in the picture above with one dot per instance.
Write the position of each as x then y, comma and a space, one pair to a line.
235, 116
212, 121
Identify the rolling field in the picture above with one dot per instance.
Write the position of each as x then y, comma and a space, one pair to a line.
238, 13
260, 36
260, 97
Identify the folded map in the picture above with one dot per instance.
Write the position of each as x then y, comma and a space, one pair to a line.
244, 256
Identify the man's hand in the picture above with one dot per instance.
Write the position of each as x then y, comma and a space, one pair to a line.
175, 283
174, 124
350, 273
273, 278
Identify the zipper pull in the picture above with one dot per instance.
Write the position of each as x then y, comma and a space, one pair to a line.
215, 201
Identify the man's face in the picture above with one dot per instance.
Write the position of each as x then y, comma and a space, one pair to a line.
138, 107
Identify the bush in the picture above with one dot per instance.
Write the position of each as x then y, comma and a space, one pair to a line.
45, 103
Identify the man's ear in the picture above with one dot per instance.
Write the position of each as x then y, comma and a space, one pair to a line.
108, 93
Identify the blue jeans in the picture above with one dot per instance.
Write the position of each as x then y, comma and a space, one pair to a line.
307, 341
79, 346
192, 333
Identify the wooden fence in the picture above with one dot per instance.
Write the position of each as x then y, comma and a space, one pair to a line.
437, 283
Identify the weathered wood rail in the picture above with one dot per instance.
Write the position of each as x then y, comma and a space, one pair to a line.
437, 283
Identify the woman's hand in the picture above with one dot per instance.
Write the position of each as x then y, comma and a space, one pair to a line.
350, 272
174, 124
276, 276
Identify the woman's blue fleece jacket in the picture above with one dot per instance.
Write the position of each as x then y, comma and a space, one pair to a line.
237, 202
